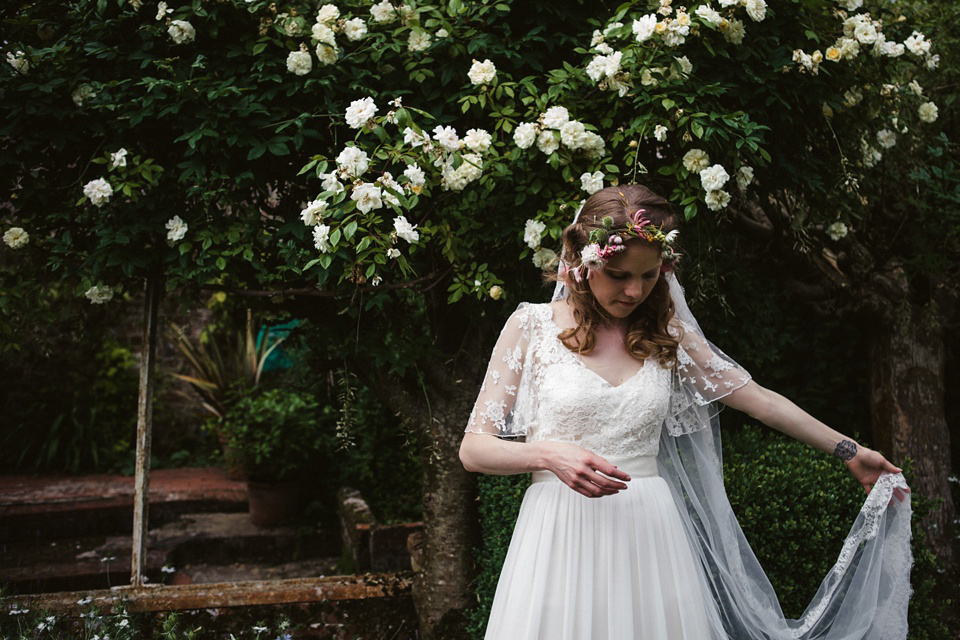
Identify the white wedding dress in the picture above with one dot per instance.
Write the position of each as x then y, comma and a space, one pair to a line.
631, 566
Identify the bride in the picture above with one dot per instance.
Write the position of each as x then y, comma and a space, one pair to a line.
608, 396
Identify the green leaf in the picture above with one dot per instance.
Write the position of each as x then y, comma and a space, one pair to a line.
350, 229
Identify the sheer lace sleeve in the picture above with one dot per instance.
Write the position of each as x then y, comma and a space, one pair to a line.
503, 406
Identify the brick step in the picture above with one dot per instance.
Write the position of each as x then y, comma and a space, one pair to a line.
49, 508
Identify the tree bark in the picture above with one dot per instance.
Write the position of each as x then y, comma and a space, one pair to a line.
908, 411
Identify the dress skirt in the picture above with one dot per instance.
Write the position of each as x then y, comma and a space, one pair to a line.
612, 568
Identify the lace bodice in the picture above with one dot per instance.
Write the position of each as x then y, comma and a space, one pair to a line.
566, 401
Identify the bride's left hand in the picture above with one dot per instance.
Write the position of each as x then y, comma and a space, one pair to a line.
867, 466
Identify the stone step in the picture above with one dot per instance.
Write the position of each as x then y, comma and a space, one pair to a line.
49, 508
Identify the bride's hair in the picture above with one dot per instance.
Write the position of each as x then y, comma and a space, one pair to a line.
647, 329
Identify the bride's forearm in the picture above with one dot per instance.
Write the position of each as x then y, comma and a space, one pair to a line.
780, 413
489, 454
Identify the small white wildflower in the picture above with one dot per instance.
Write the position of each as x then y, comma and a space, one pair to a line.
323, 33
181, 32
477, 140
837, 231
393, 253
321, 238
757, 10
591, 182
917, 44
97, 295
928, 112
99, 191
532, 232
352, 162
482, 72
16, 237
405, 230
355, 29
660, 133
176, 229
525, 134
708, 14
360, 112
416, 178
326, 54
713, 178
329, 182
327, 13
118, 158
696, 160
644, 28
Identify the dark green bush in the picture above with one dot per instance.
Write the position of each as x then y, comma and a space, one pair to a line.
795, 505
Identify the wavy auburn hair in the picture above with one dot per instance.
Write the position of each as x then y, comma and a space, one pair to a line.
647, 334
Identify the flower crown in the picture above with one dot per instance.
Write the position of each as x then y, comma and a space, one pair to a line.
607, 240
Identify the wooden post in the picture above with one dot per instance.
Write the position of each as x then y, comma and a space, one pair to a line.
148, 349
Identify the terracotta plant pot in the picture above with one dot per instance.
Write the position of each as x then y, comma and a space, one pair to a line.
271, 503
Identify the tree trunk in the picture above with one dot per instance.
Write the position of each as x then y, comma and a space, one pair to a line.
908, 413
442, 590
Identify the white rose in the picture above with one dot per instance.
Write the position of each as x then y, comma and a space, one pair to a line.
592, 145
355, 29
685, 65
757, 10
592, 182
414, 138
181, 31
916, 88
717, 200
328, 13
744, 177
713, 178
323, 33
352, 162
532, 232
118, 158
928, 112
645, 27
82, 93
933, 62
468, 171
299, 62
837, 231
326, 54
555, 117
696, 160
98, 295
447, 137
312, 214
708, 14
590, 257
660, 133
176, 229
917, 44
393, 253
383, 12
477, 140
547, 142
603, 47
525, 135
330, 182
360, 112
418, 41
735, 32
416, 177
16, 237
865, 32
886, 138
368, 196
573, 134
99, 191
405, 230
545, 259
389, 188
851, 5
482, 72
321, 238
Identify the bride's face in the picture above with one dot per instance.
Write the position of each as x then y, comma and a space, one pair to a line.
628, 278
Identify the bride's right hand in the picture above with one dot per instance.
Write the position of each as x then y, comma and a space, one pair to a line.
584, 471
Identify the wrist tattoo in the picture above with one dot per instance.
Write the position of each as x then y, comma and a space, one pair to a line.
846, 450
